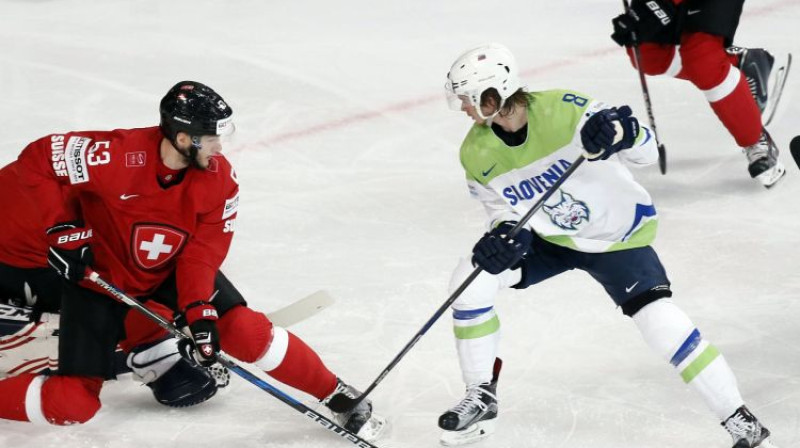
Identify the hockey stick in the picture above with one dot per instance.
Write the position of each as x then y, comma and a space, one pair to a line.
343, 403
637, 56
301, 310
233, 366
794, 148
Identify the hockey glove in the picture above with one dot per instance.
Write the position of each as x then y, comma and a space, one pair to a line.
202, 319
69, 253
647, 19
609, 131
495, 253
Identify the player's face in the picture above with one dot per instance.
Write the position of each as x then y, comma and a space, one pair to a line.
210, 145
469, 109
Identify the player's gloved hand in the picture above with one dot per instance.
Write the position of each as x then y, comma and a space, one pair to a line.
647, 19
609, 131
69, 253
202, 319
495, 253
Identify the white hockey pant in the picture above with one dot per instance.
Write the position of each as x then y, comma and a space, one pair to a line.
475, 323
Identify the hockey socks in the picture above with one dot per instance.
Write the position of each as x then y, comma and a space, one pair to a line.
673, 336
59, 400
702, 60
734, 105
292, 362
477, 338
475, 323
249, 336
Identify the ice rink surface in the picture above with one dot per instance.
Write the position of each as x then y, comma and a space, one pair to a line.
350, 181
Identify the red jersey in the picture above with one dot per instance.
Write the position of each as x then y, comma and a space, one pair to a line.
142, 232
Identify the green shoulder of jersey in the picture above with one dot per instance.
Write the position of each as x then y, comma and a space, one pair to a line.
553, 116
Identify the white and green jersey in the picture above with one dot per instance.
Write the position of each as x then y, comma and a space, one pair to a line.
600, 208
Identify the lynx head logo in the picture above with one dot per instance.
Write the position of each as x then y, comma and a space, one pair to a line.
568, 213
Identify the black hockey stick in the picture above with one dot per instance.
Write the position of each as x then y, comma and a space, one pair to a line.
794, 148
637, 56
343, 403
233, 366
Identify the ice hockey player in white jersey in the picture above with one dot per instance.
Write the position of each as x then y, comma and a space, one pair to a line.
600, 221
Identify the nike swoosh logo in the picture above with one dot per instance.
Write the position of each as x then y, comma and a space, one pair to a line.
692, 12
486, 173
630, 288
125, 197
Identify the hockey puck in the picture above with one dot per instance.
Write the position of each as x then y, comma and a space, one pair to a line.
794, 147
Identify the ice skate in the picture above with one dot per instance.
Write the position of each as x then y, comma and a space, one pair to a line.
766, 76
474, 417
361, 421
746, 430
764, 165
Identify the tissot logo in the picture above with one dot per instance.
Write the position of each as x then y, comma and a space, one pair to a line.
153, 245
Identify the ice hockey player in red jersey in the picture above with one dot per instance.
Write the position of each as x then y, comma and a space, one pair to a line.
691, 40
30, 298
151, 210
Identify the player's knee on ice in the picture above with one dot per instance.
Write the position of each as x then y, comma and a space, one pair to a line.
175, 381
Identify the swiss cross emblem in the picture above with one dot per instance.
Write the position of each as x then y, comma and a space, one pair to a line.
208, 350
155, 244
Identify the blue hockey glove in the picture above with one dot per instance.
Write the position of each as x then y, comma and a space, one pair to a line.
494, 253
599, 133
647, 19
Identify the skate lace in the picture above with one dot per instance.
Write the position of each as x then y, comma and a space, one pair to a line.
473, 400
759, 150
752, 83
741, 428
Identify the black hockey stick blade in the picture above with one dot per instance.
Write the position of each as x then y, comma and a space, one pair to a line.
662, 158
794, 147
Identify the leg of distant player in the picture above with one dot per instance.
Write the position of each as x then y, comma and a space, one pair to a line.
701, 59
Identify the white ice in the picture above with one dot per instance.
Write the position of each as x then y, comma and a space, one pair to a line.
347, 157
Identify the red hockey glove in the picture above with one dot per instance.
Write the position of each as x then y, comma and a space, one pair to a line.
202, 319
69, 252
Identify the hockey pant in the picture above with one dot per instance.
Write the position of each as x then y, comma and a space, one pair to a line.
701, 59
665, 328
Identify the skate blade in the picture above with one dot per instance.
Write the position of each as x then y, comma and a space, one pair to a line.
776, 90
771, 177
373, 429
472, 434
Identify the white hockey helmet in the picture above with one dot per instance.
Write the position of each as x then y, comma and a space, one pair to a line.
486, 67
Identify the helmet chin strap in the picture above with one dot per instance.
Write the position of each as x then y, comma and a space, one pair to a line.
190, 155
491, 116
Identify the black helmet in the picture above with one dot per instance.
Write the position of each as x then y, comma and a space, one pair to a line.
196, 109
